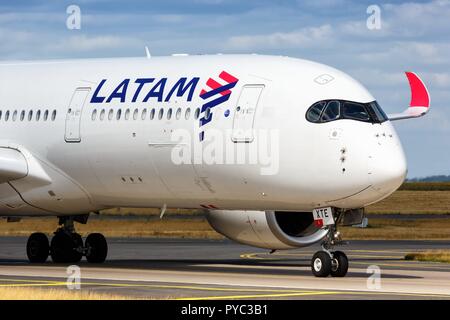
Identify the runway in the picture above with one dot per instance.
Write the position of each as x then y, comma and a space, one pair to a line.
211, 269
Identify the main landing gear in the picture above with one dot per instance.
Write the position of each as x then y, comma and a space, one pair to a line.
327, 262
66, 245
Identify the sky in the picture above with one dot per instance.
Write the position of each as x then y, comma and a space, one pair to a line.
413, 36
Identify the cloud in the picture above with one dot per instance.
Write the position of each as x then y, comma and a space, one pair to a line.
306, 37
414, 36
84, 43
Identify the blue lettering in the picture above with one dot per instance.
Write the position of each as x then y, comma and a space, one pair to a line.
157, 93
181, 88
95, 97
141, 82
120, 92
184, 86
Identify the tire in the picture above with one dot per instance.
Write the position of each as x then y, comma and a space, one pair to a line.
37, 248
340, 265
97, 248
77, 255
321, 264
63, 247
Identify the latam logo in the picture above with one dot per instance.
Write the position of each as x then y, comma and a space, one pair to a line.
145, 90
220, 94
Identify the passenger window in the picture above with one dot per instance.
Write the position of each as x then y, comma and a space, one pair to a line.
110, 114
30, 115
53, 115
169, 114
208, 113
45, 115
7, 115
127, 114
22, 115
187, 115
355, 111
315, 111
152, 114
14, 117
331, 112
38, 115
119, 114
0, 115
135, 114
178, 115
197, 113
102, 115
144, 114
161, 113
94, 114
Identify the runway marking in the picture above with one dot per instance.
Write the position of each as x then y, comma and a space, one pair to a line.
258, 256
156, 286
281, 252
313, 293
267, 293
401, 263
281, 295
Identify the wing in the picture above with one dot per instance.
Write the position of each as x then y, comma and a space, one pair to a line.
420, 99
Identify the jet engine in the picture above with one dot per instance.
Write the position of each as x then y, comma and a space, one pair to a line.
267, 229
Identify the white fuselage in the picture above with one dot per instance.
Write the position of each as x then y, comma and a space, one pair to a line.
84, 160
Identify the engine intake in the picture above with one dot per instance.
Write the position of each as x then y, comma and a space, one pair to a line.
267, 229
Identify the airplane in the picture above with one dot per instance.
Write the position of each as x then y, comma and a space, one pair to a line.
80, 136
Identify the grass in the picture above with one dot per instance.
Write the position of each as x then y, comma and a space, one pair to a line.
412, 202
13, 293
432, 256
200, 229
174, 228
426, 186
400, 229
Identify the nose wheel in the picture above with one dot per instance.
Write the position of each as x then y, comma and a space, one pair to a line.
326, 263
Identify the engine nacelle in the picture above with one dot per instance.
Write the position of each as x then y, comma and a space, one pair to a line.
267, 229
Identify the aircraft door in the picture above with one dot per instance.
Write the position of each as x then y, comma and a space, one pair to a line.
244, 115
73, 116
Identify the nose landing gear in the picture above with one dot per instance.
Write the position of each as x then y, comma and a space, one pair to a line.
328, 262
67, 246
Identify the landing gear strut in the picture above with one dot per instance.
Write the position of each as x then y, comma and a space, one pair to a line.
328, 262
66, 245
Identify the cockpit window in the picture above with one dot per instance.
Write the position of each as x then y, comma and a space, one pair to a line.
356, 111
315, 111
378, 111
330, 110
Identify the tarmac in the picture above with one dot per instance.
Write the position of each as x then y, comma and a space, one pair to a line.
220, 269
